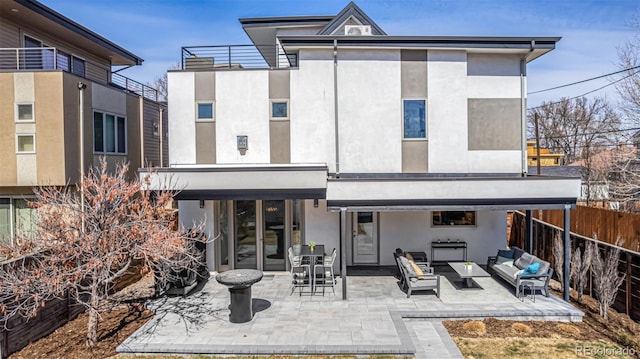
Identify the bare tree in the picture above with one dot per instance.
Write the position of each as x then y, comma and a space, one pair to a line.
628, 86
576, 127
580, 265
160, 83
606, 277
82, 249
558, 257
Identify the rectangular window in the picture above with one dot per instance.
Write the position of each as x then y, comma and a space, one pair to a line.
5, 221
24, 112
26, 143
25, 218
78, 66
454, 218
63, 61
279, 110
109, 133
205, 111
414, 119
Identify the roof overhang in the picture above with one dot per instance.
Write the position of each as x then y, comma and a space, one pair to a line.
34, 14
532, 47
452, 193
238, 182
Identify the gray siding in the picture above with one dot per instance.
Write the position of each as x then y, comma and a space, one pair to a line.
494, 124
151, 142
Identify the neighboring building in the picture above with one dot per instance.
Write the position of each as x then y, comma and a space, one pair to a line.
50, 67
546, 157
364, 142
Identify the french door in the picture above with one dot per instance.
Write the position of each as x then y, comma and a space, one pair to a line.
259, 235
364, 238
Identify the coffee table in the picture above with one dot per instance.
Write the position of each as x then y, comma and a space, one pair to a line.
467, 275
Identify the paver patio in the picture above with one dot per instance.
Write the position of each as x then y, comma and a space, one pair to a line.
377, 318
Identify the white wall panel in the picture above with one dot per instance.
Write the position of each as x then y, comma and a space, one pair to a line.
447, 111
182, 127
370, 112
312, 109
494, 87
190, 214
242, 108
495, 161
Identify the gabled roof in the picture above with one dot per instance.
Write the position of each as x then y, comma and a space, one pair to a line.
351, 10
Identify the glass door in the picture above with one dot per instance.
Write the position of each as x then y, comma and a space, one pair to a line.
246, 236
365, 238
273, 243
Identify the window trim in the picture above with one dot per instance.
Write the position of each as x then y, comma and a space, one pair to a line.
475, 219
33, 112
18, 152
213, 111
426, 119
115, 133
271, 102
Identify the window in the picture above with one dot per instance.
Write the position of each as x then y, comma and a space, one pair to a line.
78, 66
454, 218
24, 112
414, 119
26, 143
279, 110
205, 111
109, 133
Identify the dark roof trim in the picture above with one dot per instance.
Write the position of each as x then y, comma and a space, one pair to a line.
495, 203
233, 169
252, 194
78, 29
542, 43
453, 178
285, 20
351, 10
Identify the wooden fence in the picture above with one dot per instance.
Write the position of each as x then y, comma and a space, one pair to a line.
606, 225
628, 298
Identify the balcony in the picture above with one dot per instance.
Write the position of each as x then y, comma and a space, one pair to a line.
50, 58
236, 57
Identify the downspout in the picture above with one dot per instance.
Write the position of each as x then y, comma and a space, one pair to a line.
161, 130
523, 108
141, 117
335, 105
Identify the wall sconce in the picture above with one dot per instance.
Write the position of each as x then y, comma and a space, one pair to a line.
315, 203
243, 144
201, 203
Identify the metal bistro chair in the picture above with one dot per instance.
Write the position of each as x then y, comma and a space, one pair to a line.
326, 272
300, 273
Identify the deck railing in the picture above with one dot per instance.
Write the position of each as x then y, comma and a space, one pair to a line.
50, 58
236, 57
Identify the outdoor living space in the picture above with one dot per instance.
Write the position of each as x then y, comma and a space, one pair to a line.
376, 318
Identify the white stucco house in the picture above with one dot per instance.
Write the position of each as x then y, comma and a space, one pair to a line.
329, 130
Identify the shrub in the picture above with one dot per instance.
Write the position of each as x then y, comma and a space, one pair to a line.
475, 327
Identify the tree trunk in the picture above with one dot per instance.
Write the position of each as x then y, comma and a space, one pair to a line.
92, 325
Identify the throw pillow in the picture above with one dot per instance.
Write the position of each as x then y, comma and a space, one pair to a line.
504, 261
524, 260
417, 269
506, 253
532, 268
409, 256
407, 266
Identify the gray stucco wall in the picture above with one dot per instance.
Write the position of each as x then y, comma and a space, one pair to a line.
494, 124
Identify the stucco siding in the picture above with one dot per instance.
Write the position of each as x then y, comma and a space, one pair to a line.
182, 116
369, 110
494, 124
8, 175
312, 103
447, 111
49, 128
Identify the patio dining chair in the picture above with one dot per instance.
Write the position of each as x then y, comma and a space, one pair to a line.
324, 272
300, 274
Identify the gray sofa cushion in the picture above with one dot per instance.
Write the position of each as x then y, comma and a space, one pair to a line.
544, 266
517, 252
508, 273
525, 260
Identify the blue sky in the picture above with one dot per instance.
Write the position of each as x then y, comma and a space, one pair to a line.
591, 31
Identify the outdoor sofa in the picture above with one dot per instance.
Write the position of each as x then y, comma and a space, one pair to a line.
516, 266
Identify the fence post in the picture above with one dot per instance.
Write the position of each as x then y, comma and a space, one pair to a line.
528, 237
567, 256
629, 297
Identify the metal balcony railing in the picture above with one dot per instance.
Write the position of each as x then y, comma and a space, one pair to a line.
50, 58
236, 57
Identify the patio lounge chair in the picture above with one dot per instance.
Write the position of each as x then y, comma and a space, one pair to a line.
413, 281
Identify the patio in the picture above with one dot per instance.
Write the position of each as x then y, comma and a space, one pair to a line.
377, 318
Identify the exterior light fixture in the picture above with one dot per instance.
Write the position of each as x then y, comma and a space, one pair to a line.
201, 203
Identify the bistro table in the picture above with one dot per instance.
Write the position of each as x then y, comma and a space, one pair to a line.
239, 282
318, 252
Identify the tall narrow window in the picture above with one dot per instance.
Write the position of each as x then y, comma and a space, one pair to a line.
122, 139
98, 132
78, 66
414, 119
5, 221
110, 133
